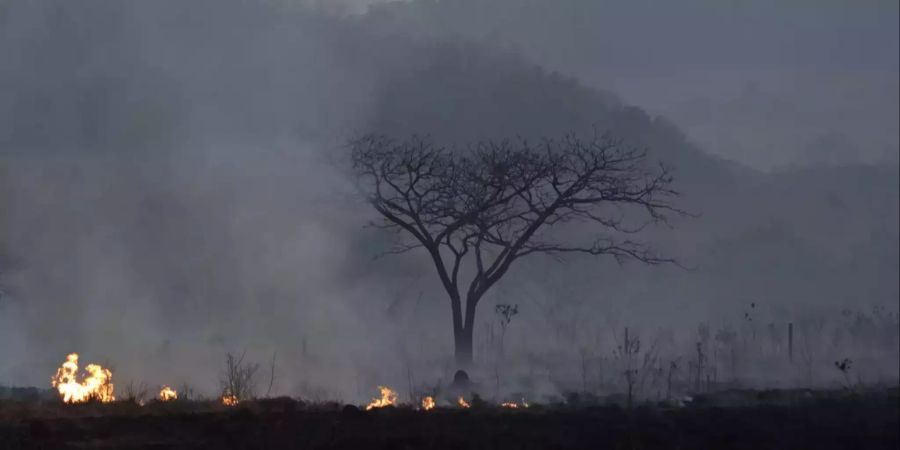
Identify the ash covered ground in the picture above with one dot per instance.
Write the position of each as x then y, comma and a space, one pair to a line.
727, 420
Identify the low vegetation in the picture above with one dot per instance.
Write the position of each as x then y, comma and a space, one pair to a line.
726, 420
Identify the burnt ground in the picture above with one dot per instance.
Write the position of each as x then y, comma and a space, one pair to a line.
738, 420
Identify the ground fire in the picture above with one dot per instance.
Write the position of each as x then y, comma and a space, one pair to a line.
96, 383
428, 403
229, 400
388, 398
167, 394
515, 405
462, 403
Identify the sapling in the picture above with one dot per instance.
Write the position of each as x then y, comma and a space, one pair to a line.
626, 352
844, 366
238, 379
647, 366
702, 345
186, 392
271, 374
506, 313
673, 368
700, 366
136, 393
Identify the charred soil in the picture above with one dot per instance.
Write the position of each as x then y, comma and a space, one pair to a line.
739, 420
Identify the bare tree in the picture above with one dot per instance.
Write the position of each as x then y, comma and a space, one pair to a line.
136, 392
478, 211
271, 374
635, 374
505, 314
238, 378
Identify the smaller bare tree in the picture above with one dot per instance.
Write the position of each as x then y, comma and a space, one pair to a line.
505, 313
635, 373
271, 374
673, 370
136, 392
702, 362
238, 378
187, 392
844, 366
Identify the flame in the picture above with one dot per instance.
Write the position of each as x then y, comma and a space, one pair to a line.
515, 405
167, 394
428, 403
462, 403
230, 400
388, 398
97, 383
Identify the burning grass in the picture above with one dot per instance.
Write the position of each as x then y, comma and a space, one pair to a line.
96, 382
388, 398
515, 405
167, 394
822, 420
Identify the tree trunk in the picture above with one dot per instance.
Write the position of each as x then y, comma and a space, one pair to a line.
463, 328
462, 332
462, 337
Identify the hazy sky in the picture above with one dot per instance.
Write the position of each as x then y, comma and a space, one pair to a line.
756, 81
169, 188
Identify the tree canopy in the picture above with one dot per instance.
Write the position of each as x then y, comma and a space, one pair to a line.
498, 201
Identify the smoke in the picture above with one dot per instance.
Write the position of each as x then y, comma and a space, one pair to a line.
172, 190
168, 203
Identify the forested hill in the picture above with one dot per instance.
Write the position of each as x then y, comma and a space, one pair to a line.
819, 84
96, 77
460, 93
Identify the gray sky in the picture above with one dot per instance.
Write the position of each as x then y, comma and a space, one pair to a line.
755, 81
169, 187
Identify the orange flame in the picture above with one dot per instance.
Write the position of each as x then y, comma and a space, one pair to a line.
230, 400
97, 383
462, 403
515, 405
388, 398
428, 403
167, 394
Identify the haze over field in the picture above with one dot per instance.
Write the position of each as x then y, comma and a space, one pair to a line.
173, 182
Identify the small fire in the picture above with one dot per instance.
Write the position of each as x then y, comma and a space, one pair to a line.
428, 403
96, 384
167, 394
515, 405
230, 400
462, 403
388, 398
